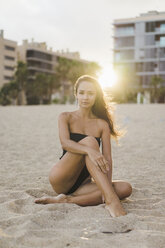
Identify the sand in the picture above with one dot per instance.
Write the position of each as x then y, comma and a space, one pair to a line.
29, 147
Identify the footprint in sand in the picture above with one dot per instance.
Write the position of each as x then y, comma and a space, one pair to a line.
20, 206
3, 234
38, 193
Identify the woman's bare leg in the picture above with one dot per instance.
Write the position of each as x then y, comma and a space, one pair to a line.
89, 194
113, 204
112, 201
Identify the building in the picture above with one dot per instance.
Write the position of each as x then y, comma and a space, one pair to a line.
40, 59
8, 59
139, 48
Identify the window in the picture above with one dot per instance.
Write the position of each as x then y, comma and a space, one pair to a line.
162, 27
10, 68
162, 66
125, 30
150, 67
10, 48
162, 41
139, 67
141, 53
124, 55
125, 42
161, 52
150, 53
129, 54
38, 55
150, 27
150, 40
9, 58
8, 78
117, 56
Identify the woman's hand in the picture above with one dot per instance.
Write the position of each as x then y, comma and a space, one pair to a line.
98, 159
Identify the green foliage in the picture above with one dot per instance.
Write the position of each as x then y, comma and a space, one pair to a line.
123, 97
21, 75
70, 70
156, 88
13, 90
39, 89
8, 93
56, 101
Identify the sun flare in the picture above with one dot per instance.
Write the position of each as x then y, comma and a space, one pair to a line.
107, 78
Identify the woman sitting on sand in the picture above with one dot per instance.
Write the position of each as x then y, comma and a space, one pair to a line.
80, 132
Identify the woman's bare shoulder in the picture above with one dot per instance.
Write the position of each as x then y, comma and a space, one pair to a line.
103, 124
66, 115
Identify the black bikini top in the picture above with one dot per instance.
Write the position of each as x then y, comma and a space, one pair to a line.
77, 137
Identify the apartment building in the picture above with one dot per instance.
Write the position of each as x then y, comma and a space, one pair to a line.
40, 59
139, 48
8, 59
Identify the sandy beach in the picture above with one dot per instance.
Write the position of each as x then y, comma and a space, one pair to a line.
30, 146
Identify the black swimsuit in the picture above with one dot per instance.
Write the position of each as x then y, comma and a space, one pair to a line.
84, 173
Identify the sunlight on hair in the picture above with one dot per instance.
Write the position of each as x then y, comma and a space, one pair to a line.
107, 78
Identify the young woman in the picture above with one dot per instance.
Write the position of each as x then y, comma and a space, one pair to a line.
83, 175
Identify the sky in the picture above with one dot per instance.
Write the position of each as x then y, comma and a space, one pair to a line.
78, 25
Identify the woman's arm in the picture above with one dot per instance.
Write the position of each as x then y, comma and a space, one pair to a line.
67, 144
106, 147
71, 146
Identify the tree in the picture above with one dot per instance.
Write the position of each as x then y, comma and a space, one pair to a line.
40, 89
68, 71
21, 77
9, 93
16, 89
156, 86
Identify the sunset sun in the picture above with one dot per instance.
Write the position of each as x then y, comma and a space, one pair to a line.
107, 78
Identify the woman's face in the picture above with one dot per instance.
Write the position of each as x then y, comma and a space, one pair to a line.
86, 94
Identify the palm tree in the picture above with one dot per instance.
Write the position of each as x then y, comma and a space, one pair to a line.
53, 84
21, 76
68, 71
156, 88
42, 87
9, 93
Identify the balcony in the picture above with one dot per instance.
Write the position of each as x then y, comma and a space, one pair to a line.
126, 34
127, 31
40, 70
161, 42
150, 73
118, 48
40, 60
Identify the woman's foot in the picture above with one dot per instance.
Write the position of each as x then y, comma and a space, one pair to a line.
61, 198
115, 208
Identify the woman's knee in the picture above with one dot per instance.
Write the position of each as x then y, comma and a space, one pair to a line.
52, 178
90, 141
55, 175
123, 189
127, 189
55, 182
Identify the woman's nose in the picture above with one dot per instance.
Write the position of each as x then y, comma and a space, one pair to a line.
85, 96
